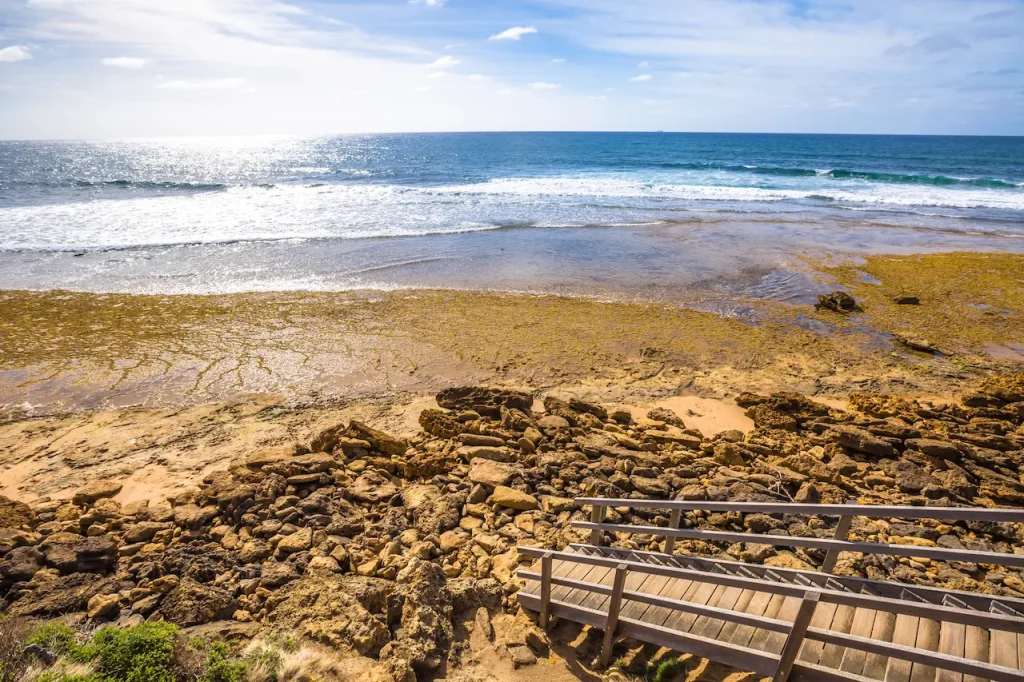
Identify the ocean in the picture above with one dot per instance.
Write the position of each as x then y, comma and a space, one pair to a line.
648, 215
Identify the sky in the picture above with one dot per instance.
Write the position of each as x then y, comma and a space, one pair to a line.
101, 69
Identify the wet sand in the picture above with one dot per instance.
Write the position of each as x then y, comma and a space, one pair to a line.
165, 389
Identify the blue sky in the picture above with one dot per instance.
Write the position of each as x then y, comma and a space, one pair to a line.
129, 68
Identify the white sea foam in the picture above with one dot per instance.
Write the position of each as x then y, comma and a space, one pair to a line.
355, 211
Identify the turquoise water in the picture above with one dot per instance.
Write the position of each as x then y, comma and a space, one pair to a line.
592, 213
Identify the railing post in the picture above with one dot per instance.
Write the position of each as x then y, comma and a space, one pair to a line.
545, 589
841, 533
613, 614
596, 516
796, 636
673, 522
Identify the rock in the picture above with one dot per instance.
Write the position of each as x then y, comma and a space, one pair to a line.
550, 504
499, 454
372, 487
860, 440
379, 440
837, 301
486, 401
96, 555
21, 564
906, 300
452, 540
324, 563
164, 584
729, 454
298, 541
553, 422
917, 343
193, 517
416, 496
144, 531
684, 439
808, 494
785, 559
843, 465
483, 623
12, 537
935, 448
95, 491
490, 473
16, 515
621, 416
521, 657
347, 612
653, 487
473, 439
439, 423
277, 573
192, 603
66, 594
103, 606
513, 499
766, 416
663, 414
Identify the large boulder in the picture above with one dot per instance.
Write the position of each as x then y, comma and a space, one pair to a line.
513, 499
490, 472
67, 594
97, 490
346, 612
21, 564
485, 401
192, 603
15, 514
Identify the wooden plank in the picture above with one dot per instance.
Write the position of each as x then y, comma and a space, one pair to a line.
883, 631
677, 620
823, 618
657, 615
700, 595
713, 628
916, 656
742, 605
758, 606
831, 654
674, 518
905, 634
760, 638
976, 648
952, 642
867, 510
1003, 648
863, 623
596, 516
545, 589
698, 625
927, 639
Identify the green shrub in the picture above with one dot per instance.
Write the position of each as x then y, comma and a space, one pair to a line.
219, 665
144, 653
61, 639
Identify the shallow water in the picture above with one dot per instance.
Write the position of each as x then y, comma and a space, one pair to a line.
676, 216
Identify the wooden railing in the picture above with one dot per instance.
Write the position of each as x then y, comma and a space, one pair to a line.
1002, 615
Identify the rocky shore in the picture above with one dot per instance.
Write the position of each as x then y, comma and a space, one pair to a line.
401, 553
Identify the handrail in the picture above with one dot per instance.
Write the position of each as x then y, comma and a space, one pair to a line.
940, 553
866, 510
996, 621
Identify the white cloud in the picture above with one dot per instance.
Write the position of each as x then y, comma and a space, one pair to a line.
514, 33
540, 85
478, 77
445, 62
124, 62
14, 53
641, 78
428, 3
558, 60
435, 74
212, 84
643, 65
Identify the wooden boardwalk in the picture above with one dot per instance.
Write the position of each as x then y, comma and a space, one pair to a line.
780, 623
